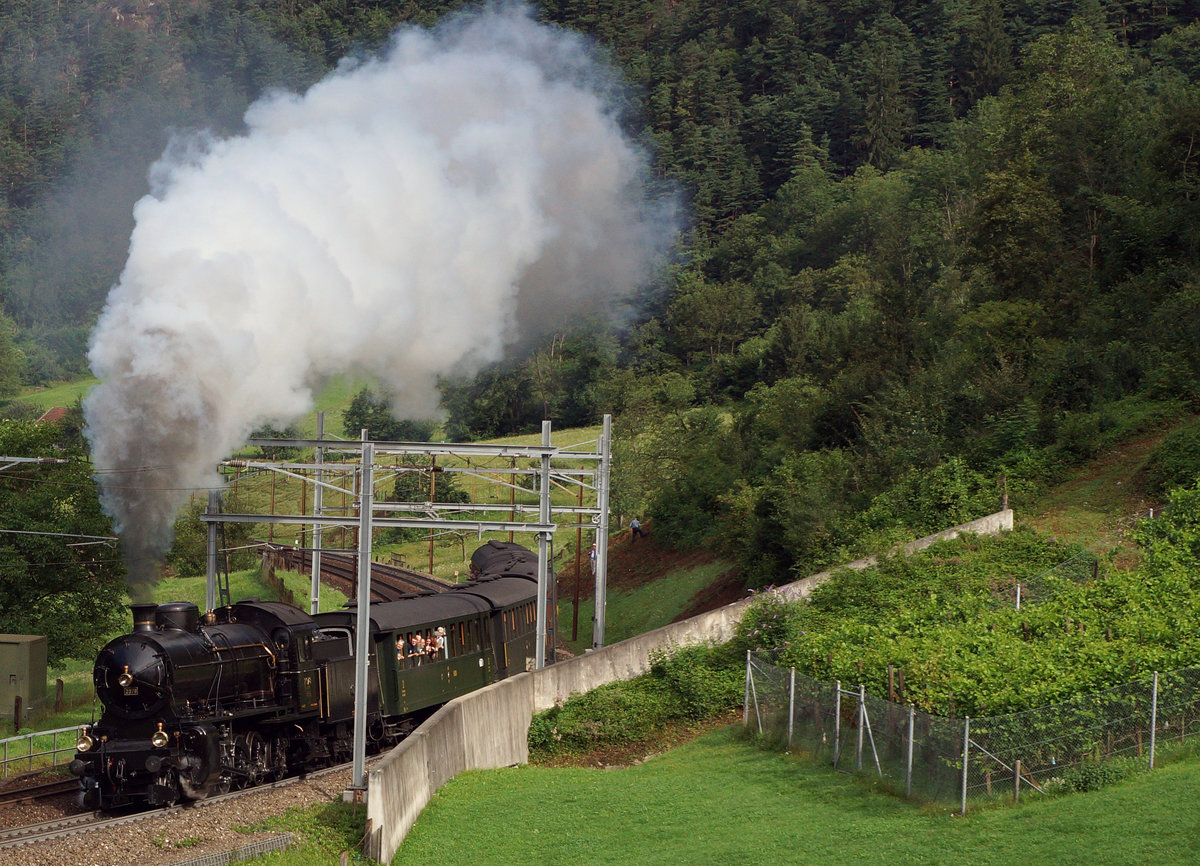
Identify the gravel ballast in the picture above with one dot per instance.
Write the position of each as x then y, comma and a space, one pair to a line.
183, 835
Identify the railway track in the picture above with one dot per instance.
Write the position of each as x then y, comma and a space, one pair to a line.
56, 828
87, 822
388, 582
13, 796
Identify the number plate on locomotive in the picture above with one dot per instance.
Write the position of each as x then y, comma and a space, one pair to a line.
131, 690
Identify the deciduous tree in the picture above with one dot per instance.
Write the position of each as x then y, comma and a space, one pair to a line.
58, 576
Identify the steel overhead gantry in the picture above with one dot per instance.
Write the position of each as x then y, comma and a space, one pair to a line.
10, 462
593, 480
362, 475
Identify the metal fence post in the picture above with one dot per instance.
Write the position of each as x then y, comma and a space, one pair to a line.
1017, 780
912, 729
1153, 717
791, 705
965, 753
837, 721
862, 709
746, 704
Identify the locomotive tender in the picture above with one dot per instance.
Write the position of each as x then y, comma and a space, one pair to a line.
196, 705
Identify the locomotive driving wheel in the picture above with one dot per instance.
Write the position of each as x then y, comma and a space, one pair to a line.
277, 759
241, 775
167, 787
256, 754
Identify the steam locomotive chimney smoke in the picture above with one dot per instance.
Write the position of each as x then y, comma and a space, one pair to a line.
412, 215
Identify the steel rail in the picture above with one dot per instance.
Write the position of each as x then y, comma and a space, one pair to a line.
28, 794
72, 825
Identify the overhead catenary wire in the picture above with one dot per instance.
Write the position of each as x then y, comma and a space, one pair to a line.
59, 534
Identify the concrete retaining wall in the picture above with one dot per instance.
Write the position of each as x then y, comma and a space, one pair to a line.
490, 728
485, 729
630, 658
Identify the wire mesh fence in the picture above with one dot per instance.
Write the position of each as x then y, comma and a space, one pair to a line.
936, 759
1020, 590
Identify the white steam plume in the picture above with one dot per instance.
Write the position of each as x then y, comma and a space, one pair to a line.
409, 216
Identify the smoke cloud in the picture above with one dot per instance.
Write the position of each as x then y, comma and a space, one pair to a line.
413, 214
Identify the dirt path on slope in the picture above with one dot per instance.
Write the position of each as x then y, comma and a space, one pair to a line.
1100, 504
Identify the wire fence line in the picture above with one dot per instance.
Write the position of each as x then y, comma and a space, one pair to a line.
1082, 568
936, 759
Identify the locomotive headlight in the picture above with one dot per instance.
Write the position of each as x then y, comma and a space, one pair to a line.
159, 738
125, 680
85, 742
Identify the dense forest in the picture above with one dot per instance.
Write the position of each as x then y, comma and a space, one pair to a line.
932, 245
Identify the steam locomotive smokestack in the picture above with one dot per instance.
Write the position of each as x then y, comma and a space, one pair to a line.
143, 616
414, 215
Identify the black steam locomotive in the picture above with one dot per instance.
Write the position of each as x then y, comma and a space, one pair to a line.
198, 704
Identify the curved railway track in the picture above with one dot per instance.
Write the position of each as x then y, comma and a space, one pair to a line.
388, 582
28, 794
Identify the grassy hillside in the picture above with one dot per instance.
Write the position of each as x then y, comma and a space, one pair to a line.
635, 609
62, 394
1098, 504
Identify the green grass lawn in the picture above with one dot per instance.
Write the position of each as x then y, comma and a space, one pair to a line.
64, 394
720, 799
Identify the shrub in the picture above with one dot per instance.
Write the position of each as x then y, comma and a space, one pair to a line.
1176, 462
1093, 775
929, 499
700, 682
689, 684
765, 625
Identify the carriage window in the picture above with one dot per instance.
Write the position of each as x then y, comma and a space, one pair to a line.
332, 643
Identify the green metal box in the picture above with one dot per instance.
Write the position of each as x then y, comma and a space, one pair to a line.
22, 671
